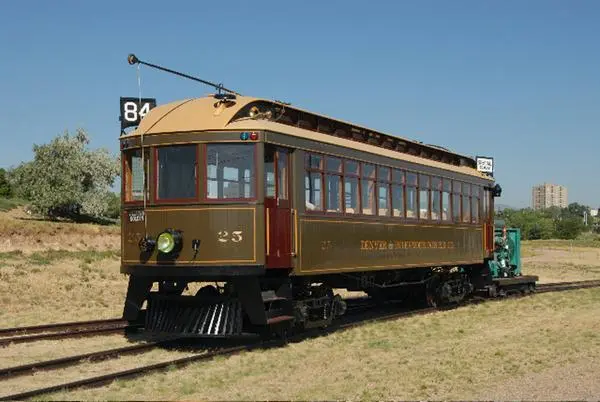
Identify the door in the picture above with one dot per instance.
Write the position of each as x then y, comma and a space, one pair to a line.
277, 208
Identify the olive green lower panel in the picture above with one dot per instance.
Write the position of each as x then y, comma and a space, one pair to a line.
224, 235
341, 245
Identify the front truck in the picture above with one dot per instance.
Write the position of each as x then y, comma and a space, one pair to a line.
193, 243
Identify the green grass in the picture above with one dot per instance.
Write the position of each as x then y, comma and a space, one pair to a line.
6, 204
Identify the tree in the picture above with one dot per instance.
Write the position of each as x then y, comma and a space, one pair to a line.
5, 187
569, 228
66, 179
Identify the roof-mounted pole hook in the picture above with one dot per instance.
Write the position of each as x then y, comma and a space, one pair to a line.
132, 59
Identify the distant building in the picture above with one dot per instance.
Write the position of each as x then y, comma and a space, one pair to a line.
594, 212
548, 195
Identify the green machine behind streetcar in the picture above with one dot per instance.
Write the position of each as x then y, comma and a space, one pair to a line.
265, 209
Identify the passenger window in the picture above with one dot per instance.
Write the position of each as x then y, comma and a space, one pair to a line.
398, 193
177, 172
466, 202
411, 196
475, 200
456, 198
383, 191
230, 171
312, 191
368, 196
368, 189
436, 199
423, 196
383, 199
334, 191
351, 194
447, 188
134, 175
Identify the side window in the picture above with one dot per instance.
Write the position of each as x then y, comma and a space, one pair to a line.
351, 191
398, 193
466, 202
475, 203
368, 189
383, 191
313, 179
333, 184
411, 195
424, 196
436, 199
456, 198
134, 175
446, 191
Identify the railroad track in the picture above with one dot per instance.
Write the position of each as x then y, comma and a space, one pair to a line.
344, 324
61, 331
562, 286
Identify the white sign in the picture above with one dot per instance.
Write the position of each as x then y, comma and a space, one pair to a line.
485, 165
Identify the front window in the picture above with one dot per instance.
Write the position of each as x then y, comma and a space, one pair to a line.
177, 172
230, 171
134, 175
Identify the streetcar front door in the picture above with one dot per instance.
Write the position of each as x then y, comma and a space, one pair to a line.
277, 208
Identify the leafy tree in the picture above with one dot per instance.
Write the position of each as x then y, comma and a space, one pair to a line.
569, 228
576, 209
113, 209
5, 187
66, 179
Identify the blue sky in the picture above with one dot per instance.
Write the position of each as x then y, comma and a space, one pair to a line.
517, 80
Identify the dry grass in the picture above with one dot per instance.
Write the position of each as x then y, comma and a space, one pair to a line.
558, 264
57, 272
68, 289
447, 355
20, 232
87, 369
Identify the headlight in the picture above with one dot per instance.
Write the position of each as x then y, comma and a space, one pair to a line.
168, 241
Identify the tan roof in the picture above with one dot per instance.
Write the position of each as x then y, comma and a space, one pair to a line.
203, 114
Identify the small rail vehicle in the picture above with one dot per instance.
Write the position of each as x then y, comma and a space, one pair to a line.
271, 208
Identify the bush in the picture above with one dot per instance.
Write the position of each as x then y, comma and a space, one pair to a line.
5, 187
65, 179
113, 210
569, 228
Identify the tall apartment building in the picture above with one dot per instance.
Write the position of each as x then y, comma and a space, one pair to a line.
548, 195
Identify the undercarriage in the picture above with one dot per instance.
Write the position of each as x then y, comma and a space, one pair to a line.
265, 305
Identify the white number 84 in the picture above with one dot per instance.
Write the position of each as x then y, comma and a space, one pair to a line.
131, 113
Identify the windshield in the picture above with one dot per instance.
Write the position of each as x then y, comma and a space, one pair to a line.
177, 172
230, 171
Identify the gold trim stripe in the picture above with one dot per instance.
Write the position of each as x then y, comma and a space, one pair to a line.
268, 227
316, 270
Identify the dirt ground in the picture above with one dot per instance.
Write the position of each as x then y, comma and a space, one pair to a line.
540, 348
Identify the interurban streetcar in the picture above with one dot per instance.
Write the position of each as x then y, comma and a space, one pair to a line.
272, 208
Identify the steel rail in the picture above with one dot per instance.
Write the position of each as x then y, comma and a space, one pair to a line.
559, 287
181, 362
64, 335
63, 362
56, 327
